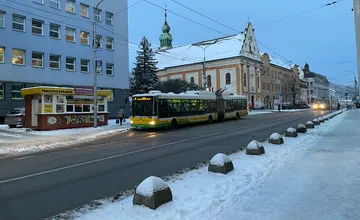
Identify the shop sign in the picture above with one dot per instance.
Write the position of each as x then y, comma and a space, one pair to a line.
83, 90
48, 108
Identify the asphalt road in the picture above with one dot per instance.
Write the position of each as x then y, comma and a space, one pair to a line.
45, 184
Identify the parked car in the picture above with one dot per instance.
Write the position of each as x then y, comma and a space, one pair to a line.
15, 117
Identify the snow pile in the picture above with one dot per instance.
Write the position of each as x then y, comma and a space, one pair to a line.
254, 145
275, 136
150, 185
219, 160
199, 194
291, 130
258, 112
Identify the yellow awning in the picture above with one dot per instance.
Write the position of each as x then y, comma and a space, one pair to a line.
58, 91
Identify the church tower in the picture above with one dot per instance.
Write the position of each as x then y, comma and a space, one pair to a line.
165, 38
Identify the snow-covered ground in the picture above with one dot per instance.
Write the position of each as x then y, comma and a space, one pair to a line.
259, 112
14, 141
313, 176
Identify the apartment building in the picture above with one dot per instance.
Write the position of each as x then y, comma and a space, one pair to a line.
50, 42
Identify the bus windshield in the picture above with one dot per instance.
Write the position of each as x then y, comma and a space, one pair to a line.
143, 106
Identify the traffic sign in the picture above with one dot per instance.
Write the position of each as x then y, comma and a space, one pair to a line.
98, 64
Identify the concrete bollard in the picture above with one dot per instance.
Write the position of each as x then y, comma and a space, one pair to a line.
276, 138
255, 148
309, 124
316, 122
301, 128
220, 163
291, 132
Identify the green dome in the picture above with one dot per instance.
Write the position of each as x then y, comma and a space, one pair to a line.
165, 28
165, 36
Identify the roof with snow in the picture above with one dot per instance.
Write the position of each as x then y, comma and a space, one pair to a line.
219, 48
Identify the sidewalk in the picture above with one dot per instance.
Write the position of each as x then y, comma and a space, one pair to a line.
18, 141
314, 176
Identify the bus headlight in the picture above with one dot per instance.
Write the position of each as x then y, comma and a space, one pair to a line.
131, 121
322, 106
152, 123
315, 106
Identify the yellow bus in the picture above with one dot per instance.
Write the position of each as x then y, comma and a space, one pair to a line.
156, 109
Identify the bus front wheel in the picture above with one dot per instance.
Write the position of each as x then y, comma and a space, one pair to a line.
237, 116
173, 124
210, 119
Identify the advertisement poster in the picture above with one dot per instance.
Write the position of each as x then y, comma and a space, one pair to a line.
72, 119
48, 108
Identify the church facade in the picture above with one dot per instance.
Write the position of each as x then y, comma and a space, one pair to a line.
233, 63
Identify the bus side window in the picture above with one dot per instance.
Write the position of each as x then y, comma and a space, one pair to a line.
163, 108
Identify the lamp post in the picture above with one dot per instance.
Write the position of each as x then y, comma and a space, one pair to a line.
357, 32
95, 106
331, 91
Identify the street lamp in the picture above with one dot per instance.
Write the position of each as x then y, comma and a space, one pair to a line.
95, 106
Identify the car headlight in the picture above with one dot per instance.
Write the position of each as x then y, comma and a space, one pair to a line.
152, 123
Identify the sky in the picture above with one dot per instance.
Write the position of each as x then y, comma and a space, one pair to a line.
323, 38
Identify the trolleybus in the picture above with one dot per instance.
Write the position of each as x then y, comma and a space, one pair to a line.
156, 109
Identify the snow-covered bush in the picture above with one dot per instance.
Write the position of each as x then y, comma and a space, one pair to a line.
309, 124
291, 132
255, 148
301, 128
220, 163
276, 138
316, 122
152, 192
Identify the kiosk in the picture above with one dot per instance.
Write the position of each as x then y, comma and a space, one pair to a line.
52, 108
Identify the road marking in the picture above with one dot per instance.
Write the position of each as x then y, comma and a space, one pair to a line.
23, 158
121, 155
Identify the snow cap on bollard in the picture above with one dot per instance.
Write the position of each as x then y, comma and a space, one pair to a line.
255, 148
276, 138
301, 128
220, 163
316, 121
309, 124
291, 132
152, 193
321, 119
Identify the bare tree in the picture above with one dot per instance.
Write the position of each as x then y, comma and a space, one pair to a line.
291, 86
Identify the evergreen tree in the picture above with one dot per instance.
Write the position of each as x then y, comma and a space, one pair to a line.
143, 76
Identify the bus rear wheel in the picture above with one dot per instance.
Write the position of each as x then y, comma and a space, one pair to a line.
174, 124
237, 116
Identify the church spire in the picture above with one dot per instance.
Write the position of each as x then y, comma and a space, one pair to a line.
165, 38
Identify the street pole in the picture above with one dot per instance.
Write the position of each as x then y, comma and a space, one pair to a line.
357, 32
204, 70
95, 102
330, 101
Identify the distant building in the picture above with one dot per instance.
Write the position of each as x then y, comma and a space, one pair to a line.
49, 42
318, 85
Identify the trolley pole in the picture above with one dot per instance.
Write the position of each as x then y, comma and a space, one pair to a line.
204, 71
357, 32
95, 106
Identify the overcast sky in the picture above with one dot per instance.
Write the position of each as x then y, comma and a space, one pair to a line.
325, 38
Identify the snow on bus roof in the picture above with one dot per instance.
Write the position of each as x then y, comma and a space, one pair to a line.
190, 95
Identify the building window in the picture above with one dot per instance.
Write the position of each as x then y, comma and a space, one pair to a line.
39, 1
16, 91
84, 10
208, 81
70, 34
109, 18
18, 22
228, 78
109, 43
18, 57
55, 31
258, 81
2, 19
55, 61
37, 59
84, 66
244, 79
55, 4
98, 41
70, 63
109, 69
70, 6
192, 80
2, 87
263, 86
84, 38
37, 27
97, 15
2, 54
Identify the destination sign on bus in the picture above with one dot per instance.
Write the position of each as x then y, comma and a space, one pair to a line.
142, 98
